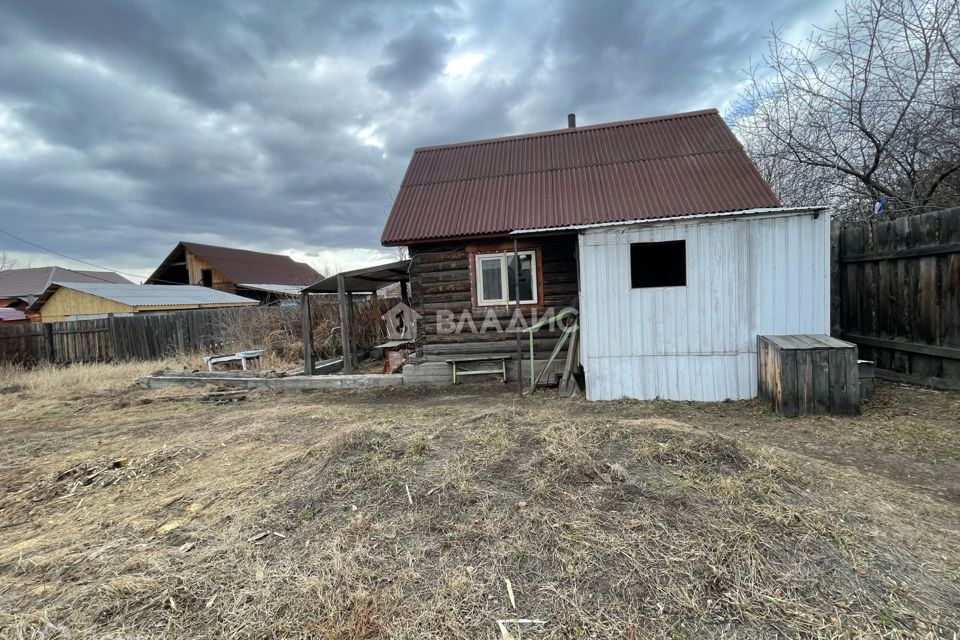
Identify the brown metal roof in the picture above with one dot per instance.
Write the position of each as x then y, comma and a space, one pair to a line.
675, 165
242, 266
23, 283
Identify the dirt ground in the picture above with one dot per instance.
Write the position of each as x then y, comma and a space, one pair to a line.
457, 512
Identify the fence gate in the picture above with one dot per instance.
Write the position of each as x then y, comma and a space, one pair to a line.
898, 285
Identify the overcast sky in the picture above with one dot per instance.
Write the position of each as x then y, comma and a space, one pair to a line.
127, 125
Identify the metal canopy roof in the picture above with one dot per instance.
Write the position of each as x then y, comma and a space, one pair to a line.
366, 280
279, 289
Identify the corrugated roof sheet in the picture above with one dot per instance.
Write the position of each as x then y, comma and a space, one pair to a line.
682, 164
22, 283
241, 265
12, 315
366, 279
157, 295
280, 289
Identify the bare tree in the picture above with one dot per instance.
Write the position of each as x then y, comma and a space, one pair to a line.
862, 111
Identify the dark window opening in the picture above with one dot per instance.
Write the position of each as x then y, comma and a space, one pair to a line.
658, 264
206, 277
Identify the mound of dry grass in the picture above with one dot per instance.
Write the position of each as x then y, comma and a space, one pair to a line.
335, 518
55, 381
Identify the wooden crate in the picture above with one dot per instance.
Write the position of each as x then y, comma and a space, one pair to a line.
808, 374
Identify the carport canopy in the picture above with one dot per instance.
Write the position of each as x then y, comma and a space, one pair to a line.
366, 280
345, 284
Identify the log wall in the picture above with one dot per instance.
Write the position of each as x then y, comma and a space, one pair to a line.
441, 280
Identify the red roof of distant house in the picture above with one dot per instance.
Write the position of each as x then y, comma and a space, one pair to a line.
675, 165
241, 266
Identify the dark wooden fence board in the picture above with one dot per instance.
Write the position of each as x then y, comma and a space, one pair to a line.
140, 337
898, 289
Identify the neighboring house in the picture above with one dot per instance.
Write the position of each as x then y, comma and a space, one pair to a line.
12, 316
266, 277
677, 251
67, 301
20, 287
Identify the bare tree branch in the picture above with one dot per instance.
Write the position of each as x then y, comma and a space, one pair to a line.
861, 109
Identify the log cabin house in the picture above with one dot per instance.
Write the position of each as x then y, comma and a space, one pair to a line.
265, 277
660, 231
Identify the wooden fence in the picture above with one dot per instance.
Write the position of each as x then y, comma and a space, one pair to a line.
139, 337
898, 291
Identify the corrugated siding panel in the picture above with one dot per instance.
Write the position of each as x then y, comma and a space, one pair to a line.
745, 277
676, 165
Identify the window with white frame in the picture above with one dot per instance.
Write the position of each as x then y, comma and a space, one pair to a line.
495, 278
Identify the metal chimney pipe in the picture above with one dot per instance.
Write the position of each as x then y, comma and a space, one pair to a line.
571, 121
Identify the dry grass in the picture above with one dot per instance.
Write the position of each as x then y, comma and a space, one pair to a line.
49, 382
277, 330
608, 521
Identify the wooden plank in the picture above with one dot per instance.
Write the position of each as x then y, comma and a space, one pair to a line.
306, 328
345, 328
788, 383
899, 345
837, 391
763, 389
787, 342
912, 252
50, 352
821, 341
820, 361
943, 384
805, 384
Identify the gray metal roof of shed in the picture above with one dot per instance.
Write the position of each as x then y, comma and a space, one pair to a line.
150, 295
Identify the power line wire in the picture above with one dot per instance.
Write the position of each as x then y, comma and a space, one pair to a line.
90, 264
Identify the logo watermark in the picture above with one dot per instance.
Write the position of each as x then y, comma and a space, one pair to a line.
401, 322
550, 318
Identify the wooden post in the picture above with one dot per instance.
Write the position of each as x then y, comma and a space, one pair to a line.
404, 295
345, 329
51, 351
353, 325
378, 331
516, 292
112, 339
306, 327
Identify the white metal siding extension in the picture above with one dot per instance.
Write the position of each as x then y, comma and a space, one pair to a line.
745, 277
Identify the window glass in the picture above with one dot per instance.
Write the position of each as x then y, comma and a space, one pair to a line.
526, 277
496, 278
491, 279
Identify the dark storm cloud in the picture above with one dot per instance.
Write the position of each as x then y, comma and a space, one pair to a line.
126, 125
414, 58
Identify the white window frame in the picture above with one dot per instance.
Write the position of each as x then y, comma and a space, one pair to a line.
504, 278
